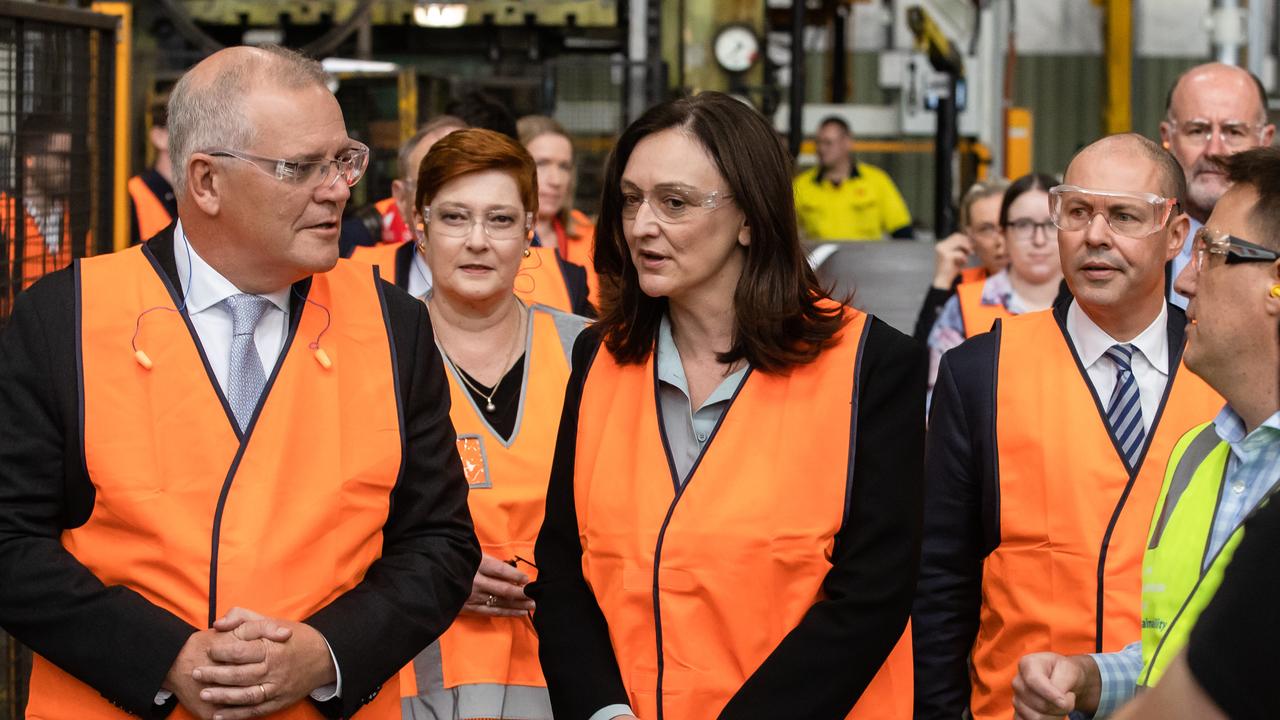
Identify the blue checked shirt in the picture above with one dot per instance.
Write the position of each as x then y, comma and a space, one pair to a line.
1251, 471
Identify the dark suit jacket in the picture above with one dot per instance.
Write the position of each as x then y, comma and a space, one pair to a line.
122, 645
962, 514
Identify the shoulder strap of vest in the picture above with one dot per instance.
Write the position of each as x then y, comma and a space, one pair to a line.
1199, 448
568, 326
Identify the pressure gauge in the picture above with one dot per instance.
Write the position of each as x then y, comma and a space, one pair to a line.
737, 48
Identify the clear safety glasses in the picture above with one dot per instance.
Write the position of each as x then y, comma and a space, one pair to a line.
1211, 242
1134, 215
349, 165
502, 225
671, 203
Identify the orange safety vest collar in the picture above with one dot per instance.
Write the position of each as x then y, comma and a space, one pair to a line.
977, 315
667, 562
151, 212
197, 517
1066, 576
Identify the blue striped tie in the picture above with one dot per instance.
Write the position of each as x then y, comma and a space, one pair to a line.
1124, 414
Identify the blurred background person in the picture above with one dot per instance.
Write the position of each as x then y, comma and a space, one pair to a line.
558, 224
843, 199
712, 415
152, 204
979, 238
507, 364
394, 230
1212, 111
1029, 283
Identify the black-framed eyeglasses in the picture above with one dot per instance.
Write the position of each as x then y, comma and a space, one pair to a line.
1236, 250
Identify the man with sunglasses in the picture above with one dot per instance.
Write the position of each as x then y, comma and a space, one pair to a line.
1221, 471
1047, 445
1212, 112
228, 480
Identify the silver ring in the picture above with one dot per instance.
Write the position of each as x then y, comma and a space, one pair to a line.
491, 601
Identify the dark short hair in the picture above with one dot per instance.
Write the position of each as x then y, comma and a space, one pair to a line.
1257, 85
1259, 168
781, 317
835, 120
1020, 187
476, 150
481, 110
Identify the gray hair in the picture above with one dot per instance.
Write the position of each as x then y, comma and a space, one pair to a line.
437, 123
209, 112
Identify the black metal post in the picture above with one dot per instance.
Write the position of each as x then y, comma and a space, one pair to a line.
796, 107
944, 152
840, 56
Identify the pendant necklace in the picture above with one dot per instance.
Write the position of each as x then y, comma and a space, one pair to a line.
489, 406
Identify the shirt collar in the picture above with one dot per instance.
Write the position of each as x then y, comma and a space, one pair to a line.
1230, 427
671, 369
1185, 252
202, 286
1092, 341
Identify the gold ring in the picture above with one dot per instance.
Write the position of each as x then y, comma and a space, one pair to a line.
491, 601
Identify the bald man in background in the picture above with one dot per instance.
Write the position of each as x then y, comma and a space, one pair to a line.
1212, 111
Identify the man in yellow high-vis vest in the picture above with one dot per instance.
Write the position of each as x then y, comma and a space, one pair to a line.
1219, 473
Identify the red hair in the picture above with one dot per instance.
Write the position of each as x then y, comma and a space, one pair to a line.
469, 151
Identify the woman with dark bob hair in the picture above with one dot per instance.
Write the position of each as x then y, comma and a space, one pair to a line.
733, 518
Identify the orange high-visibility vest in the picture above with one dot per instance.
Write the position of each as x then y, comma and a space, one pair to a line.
738, 556
978, 316
198, 520
580, 248
1067, 574
152, 215
539, 280
394, 228
38, 259
383, 255
973, 274
508, 481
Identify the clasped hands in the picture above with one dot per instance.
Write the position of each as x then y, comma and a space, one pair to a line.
248, 665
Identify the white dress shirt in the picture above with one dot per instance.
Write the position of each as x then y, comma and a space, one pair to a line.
204, 289
1150, 362
419, 276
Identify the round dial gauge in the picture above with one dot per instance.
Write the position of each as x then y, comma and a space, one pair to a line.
737, 48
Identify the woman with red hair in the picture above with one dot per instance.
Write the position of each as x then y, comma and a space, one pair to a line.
507, 364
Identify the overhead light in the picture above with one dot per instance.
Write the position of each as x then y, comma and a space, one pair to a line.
439, 15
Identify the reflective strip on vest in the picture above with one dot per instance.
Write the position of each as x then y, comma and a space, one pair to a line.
1176, 585
151, 213
978, 316
487, 667
198, 520
668, 566
1073, 518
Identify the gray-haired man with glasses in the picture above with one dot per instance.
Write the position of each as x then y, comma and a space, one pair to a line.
1212, 111
228, 479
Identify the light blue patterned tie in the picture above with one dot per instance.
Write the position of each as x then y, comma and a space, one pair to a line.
1124, 414
245, 378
